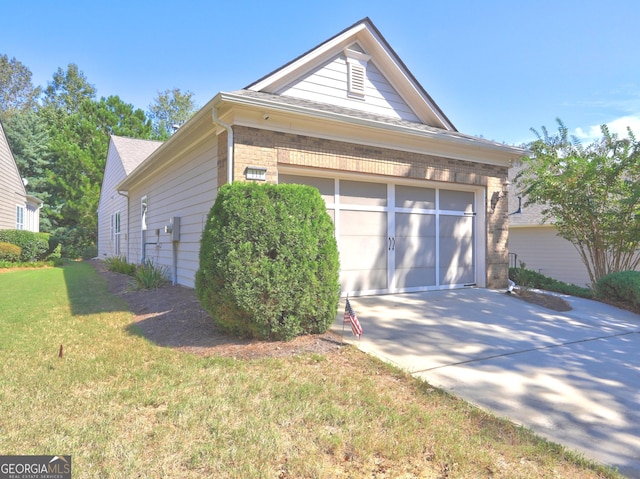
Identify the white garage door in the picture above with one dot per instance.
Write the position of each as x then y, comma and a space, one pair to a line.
399, 238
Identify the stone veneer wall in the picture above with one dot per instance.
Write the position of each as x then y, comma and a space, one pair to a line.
255, 147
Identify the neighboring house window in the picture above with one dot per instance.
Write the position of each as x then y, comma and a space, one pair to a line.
20, 217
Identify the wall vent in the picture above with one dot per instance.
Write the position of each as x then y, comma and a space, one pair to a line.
356, 72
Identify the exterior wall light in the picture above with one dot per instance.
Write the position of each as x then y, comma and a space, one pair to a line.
500, 194
258, 173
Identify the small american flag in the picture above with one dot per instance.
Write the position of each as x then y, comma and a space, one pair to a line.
350, 317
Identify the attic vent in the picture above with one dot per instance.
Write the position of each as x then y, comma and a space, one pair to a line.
356, 79
356, 72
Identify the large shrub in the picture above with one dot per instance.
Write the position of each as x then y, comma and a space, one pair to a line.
269, 261
34, 245
9, 252
621, 287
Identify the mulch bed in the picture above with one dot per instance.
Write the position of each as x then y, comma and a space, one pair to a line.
171, 316
545, 300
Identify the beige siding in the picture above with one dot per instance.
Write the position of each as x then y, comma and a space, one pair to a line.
543, 251
328, 84
186, 189
12, 192
110, 203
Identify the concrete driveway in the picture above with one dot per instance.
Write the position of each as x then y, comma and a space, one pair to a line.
572, 377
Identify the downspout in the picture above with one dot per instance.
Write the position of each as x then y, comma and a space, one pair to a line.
126, 195
226, 126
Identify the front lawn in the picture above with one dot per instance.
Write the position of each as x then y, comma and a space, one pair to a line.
124, 407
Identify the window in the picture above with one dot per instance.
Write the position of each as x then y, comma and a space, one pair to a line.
143, 210
20, 217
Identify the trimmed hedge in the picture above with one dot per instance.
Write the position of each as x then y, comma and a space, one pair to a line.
623, 287
528, 278
34, 245
9, 252
269, 261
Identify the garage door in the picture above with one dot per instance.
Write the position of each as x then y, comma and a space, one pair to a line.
399, 238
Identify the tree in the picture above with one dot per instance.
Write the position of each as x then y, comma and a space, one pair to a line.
79, 146
590, 193
17, 92
171, 107
29, 140
68, 90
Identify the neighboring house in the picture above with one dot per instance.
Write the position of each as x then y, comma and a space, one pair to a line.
18, 210
123, 156
410, 196
538, 245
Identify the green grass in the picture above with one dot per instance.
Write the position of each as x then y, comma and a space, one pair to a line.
124, 407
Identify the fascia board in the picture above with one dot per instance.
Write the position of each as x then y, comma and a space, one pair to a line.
173, 146
413, 94
307, 62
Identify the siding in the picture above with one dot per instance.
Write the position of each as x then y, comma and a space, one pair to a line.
124, 155
187, 189
111, 202
328, 84
543, 251
12, 192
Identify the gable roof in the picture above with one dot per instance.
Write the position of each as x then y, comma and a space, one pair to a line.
362, 39
429, 131
133, 151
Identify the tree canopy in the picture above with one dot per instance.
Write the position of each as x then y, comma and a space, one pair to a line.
169, 108
60, 136
17, 92
590, 193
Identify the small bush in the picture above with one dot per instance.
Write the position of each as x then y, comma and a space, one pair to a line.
118, 264
527, 278
622, 287
77, 242
150, 276
269, 261
56, 253
9, 252
34, 246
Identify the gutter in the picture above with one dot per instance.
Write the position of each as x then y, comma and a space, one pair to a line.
226, 126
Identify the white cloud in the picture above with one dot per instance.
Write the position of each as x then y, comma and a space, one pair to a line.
617, 126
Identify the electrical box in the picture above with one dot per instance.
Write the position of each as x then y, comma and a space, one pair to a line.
173, 228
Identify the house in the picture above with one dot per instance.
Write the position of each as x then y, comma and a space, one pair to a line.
537, 244
18, 210
410, 196
123, 155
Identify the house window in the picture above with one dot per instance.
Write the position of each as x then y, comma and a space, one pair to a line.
143, 210
19, 217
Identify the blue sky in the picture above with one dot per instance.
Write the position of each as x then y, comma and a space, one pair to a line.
496, 68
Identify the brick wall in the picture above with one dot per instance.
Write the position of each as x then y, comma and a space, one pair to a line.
255, 147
